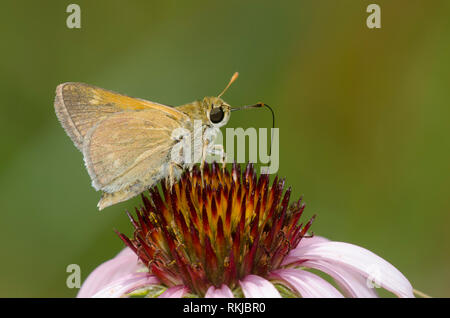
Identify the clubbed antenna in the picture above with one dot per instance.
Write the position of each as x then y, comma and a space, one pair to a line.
233, 78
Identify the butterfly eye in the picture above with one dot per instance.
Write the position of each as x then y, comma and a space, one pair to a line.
216, 115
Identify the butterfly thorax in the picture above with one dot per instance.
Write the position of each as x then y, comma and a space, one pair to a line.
195, 111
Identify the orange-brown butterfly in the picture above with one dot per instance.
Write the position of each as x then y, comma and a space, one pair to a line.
127, 142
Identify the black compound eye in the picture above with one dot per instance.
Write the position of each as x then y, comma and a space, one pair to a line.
216, 115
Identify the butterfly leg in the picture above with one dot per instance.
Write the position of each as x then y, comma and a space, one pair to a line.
204, 154
209, 148
217, 150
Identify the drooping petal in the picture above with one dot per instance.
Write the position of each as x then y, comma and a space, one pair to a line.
257, 287
357, 259
126, 262
306, 241
307, 284
352, 284
174, 292
126, 285
223, 292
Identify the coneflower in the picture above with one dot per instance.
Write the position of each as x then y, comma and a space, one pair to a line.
217, 233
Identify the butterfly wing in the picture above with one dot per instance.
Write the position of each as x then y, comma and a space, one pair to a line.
126, 142
79, 107
129, 152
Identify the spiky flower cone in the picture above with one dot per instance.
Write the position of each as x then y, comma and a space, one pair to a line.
226, 234
216, 229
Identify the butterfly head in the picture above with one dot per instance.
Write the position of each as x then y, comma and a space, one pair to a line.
217, 111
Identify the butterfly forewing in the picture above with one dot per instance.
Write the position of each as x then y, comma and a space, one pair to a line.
80, 107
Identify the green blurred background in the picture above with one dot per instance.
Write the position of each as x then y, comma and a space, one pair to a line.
363, 117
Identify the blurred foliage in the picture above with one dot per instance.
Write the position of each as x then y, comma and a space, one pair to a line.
363, 117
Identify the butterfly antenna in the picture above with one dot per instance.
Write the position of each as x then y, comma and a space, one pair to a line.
233, 78
273, 128
273, 119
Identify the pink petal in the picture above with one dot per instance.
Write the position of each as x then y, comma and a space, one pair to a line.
126, 285
357, 259
306, 241
126, 262
353, 284
292, 257
174, 292
223, 292
307, 284
257, 287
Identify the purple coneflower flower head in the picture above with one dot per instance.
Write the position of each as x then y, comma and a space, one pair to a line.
217, 233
